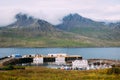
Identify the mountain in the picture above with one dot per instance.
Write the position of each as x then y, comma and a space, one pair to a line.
115, 25
115, 29
87, 27
28, 31
76, 21
27, 25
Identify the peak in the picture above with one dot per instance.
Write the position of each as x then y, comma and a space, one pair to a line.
22, 16
74, 16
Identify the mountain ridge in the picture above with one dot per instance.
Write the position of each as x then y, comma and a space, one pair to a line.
28, 31
87, 27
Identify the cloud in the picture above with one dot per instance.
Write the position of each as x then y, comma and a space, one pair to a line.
54, 10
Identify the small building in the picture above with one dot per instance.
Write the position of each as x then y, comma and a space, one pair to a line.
60, 60
16, 56
57, 55
38, 60
26, 56
80, 64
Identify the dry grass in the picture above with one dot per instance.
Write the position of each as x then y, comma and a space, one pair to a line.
40, 73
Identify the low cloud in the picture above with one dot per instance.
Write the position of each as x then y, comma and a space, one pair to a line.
54, 10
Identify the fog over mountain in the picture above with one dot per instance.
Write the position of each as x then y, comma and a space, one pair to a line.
54, 10
73, 23
74, 31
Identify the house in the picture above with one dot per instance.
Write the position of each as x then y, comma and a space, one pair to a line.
60, 60
80, 64
38, 60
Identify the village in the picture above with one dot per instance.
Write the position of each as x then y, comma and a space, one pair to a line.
58, 61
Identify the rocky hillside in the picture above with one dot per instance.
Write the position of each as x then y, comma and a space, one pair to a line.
90, 28
75, 31
30, 26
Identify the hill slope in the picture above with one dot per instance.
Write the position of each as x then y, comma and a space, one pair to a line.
87, 27
28, 31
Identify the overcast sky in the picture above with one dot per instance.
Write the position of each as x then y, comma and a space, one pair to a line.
54, 10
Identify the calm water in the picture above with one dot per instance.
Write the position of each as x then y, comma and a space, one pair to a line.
86, 53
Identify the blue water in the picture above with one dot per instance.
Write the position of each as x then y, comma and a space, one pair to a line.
86, 53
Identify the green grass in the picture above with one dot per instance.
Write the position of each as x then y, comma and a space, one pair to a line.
53, 42
103, 33
41, 42
11, 38
11, 67
40, 73
25, 37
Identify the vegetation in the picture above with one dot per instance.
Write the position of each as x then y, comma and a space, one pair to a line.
40, 73
113, 71
23, 38
53, 42
11, 67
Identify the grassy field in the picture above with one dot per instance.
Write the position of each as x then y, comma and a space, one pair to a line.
42, 42
54, 42
40, 73
21, 38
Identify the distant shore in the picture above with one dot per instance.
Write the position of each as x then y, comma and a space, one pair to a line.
64, 47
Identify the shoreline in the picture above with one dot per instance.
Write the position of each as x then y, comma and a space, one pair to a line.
63, 47
112, 62
108, 61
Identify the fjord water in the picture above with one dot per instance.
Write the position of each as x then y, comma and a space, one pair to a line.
86, 53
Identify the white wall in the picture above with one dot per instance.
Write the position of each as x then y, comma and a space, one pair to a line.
38, 60
80, 64
60, 60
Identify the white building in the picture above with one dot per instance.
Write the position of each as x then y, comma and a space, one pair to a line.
60, 60
38, 60
80, 64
